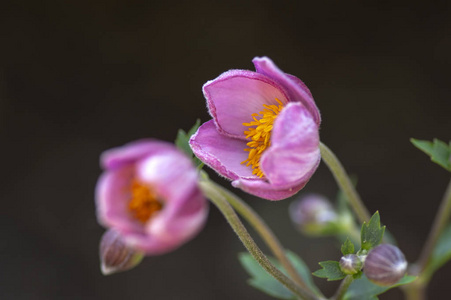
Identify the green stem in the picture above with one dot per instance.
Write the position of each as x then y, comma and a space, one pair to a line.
440, 222
343, 288
345, 183
264, 231
415, 290
221, 203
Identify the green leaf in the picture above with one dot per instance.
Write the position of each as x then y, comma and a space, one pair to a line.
330, 270
439, 151
358, 275
372, 233
363, 289
442, 251
261, 280
264, 282
347, 247
182, 141
303, 271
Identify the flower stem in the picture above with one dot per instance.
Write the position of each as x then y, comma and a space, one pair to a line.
264, 231
218, 199
440, 221
344, 182
343, 287
415, 290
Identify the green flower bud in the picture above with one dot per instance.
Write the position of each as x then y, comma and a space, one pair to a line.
314, 215
350, 264
115, 255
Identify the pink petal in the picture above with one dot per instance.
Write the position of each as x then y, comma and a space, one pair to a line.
296, 89
112, 197
300, 83
131, 152
235, 95
182, 222
185, 209
294, 152
220, 152
171, 180
173, 226
174, 178
265, 190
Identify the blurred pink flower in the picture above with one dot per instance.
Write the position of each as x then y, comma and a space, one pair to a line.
264, 133
149, 195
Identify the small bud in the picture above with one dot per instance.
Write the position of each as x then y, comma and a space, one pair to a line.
350, 264
385, 265
115, 255
313, 214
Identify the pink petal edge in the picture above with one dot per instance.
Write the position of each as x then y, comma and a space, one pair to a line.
296, 89
221, 153
235, 95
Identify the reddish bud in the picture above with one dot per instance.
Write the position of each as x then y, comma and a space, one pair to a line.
385, 265
115, 255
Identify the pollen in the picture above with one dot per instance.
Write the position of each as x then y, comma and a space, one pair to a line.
259, 133
144, 202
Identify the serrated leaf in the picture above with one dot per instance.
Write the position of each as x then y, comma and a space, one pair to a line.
347, 247
182, 141
261, 280
303, 271
264, 282
330, 270
363, 289
442, 251
439, 151
372, 233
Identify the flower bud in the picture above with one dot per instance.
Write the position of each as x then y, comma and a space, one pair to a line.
350, 264
385, 265
115, 255
313, 214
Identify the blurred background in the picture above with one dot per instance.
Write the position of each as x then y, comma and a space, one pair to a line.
79, 77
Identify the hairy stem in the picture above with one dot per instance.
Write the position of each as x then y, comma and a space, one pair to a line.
344, 183
264, 231
343, 288
211, 192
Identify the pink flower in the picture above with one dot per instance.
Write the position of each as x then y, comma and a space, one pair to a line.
264, 133
149, 194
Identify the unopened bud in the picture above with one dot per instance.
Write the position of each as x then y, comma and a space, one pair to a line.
350, 264
115, 255
385, 265
313, 214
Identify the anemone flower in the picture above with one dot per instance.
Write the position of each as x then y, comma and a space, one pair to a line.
149, 195
264, 135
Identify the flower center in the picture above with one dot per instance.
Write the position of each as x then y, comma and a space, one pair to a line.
144, 202
259, 131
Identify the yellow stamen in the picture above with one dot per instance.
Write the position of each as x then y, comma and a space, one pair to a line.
144, 202
259, 131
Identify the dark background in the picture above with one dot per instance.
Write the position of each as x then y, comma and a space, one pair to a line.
79, 77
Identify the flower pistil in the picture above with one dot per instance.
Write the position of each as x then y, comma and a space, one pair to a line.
259, 131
